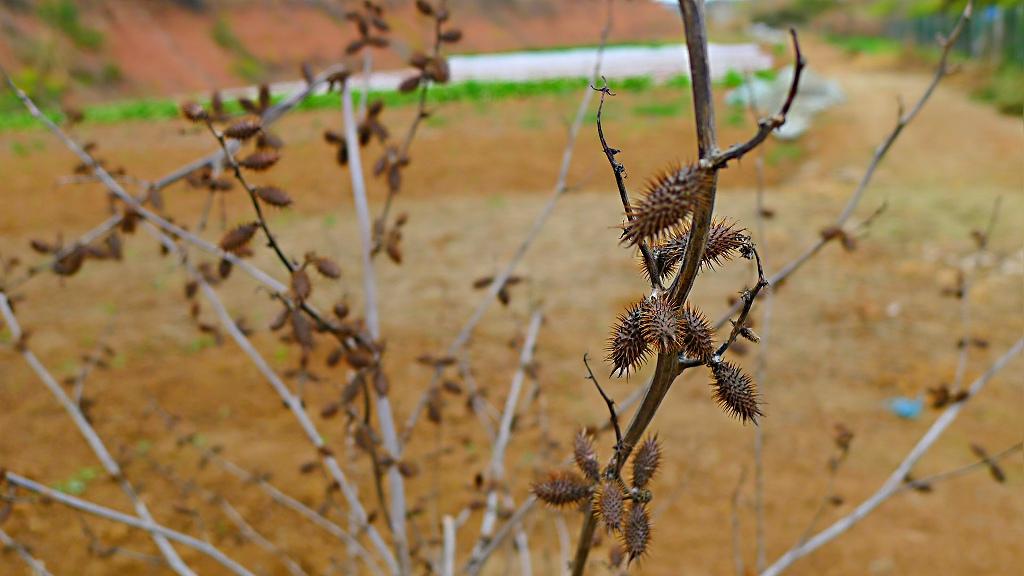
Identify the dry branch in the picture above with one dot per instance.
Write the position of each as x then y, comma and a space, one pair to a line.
385, 415
89, 434
291, 401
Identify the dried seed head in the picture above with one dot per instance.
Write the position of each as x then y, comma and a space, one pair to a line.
646, 461
627, 346
260, 160
696, 335
243, 129
562, 488
238, 237
194, 112
585, 456
661, 323
725, 242
636, 534
671, 198
735, 392
610, 505
273, 196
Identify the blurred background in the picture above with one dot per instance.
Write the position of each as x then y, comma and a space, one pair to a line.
856, 338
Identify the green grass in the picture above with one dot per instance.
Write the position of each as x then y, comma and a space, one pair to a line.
659, 109
871, 45
1004, 90
64, 16
470, 91
782, 152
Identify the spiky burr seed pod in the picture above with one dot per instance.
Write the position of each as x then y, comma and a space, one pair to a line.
636, 533
585, 456
562, 488
646, 461
243, 129
260, 160
627, 346
726, 240
194, 112
609, 504
661, 323
696, 335
671, 197
735, 392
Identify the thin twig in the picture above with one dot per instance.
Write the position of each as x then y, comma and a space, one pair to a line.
613, 416
765, 126
156, 530
37, 566
618, 170
496, 468
928, 481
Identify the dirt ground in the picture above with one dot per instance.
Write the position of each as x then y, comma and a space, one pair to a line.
849, 331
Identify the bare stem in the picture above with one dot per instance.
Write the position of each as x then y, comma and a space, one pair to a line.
385, 415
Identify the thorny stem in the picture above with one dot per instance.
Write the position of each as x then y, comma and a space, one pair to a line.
668, 366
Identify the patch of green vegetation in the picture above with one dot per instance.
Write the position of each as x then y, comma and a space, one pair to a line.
200, 343
783, 152
531, 122
871, 45
249, 68
659, 109
142, 447
78, 482
246, 65
680, 81
64, 16
225, 37
736, 115
1005, 90
732, 79
469, 91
